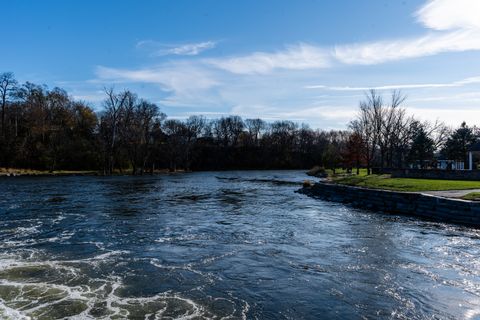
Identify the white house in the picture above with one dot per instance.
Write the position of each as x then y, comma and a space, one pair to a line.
450, 165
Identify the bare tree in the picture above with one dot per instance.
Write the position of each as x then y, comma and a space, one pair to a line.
113, 104
438, 132
255, 128
177, 135
393, 125
7, 86
383, 129
195, 127
368, 125
228, 130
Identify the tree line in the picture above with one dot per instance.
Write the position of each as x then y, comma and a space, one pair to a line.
47, 129
384, 136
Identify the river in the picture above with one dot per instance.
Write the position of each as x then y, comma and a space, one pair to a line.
222, 245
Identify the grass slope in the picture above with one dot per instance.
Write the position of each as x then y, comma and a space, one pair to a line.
473, 196
404, 184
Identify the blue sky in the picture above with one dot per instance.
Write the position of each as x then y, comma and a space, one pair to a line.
308, 61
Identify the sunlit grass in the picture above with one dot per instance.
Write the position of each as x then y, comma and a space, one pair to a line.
343, 172
474, 196
404, 184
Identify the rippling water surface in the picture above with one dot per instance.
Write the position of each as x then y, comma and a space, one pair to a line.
228, 245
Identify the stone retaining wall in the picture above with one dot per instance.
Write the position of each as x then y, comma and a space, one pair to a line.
408, 203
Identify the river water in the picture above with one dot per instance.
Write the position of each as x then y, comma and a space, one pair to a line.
228, 245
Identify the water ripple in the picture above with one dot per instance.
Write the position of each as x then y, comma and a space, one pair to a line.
222, 245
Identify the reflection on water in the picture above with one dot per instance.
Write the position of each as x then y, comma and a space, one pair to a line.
223, 245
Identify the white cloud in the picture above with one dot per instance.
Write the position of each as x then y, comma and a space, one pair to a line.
458, 21
336, 116
465, 97
271, 84
98, 96
297, 57
450, 14
460, 83
188, 49
454, 26
391, 50
176, 77
192, 49
452, 116
187, 84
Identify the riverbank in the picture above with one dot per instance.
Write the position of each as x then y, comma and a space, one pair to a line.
127, 172
419, 204
15, 172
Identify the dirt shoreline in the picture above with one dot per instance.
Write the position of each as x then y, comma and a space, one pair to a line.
62, 173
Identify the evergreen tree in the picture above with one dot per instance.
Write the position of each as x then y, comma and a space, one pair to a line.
422, 147
456, 147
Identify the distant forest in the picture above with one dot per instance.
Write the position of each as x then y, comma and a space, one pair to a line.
48, 130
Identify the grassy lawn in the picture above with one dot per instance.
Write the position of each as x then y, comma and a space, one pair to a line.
343, 172
473, 196
404, 184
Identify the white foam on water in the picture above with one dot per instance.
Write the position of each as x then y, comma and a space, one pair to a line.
181, 238
115, 306
27, 230
59, 218
164, 239
31, 295
211, 259
472, 314
21, 237
109, 254
209, 277
10, 313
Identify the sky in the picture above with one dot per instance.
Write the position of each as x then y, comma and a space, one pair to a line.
309, 61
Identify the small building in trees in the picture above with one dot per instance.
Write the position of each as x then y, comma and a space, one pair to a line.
450, 165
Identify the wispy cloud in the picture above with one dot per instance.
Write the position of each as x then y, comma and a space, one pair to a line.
333, 115
272, 84
97, 96
295, 57
452, 116
392, 50
465, 97
187, 49
186, 84
460, 83
178, 77
454, 25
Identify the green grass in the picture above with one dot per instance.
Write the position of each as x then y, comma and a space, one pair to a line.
343, 172
404, 184
473, 196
